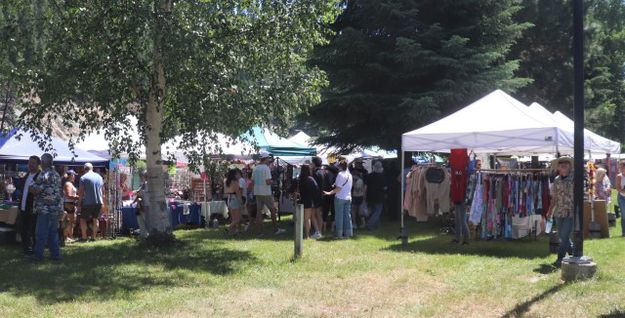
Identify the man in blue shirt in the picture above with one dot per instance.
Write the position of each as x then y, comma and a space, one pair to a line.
90, 201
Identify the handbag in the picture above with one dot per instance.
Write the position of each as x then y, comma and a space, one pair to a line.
435, 175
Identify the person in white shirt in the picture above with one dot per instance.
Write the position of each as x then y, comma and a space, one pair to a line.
343, 201
28, 217
261, 176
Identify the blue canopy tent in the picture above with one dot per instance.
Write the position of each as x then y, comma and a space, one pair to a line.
18, 146
276, 145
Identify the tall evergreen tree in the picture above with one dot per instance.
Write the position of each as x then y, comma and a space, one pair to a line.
396, 65
545, 51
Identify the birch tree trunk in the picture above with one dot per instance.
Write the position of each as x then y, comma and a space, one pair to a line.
157, 216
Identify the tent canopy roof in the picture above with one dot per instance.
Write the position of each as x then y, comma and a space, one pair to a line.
496, 123
14, 149
593, 142
276, 145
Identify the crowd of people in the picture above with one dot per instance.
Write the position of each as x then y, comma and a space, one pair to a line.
50, 204
338, 198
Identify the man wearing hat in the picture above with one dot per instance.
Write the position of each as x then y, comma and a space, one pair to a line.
563, 206
90, 201
261, 176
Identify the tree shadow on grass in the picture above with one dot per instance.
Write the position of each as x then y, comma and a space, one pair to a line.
522, 308
441, 244
118, 270
620, 313
221, 234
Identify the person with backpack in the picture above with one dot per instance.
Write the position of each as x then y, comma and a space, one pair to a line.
310, 197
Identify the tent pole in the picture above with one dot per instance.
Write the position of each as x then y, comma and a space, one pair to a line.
403, 235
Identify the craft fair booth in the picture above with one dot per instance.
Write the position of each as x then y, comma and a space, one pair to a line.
15, 149
495, 124
189, 192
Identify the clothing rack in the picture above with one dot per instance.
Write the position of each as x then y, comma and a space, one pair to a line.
512, 170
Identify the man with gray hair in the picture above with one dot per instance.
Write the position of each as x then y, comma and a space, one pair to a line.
48, 204
90, 200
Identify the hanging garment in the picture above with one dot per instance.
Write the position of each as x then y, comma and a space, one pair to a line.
477, 204
437, 195
414, 202
459, 163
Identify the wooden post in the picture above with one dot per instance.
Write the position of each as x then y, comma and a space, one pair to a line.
299, 230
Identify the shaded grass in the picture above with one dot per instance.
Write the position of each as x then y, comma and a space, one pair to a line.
212, 274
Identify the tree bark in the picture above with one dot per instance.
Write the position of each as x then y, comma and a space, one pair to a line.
157, 215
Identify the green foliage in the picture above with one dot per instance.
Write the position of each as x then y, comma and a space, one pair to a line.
545, 54
397, 65
20, 49
229, 65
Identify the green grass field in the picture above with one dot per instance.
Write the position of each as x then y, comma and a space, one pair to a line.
211, 274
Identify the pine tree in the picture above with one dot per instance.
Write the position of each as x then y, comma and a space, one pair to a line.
396, 65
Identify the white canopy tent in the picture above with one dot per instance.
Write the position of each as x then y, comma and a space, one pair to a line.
98, 143
594, 144
496, 123
499, 124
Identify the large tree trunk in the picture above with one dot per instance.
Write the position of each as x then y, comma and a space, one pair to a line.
157, 216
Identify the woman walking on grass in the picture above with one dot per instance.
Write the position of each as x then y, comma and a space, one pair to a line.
233, 191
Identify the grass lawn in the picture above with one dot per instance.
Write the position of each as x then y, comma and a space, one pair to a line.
210, 274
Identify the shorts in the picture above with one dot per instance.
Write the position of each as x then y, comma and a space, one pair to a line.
234, 203
309, 204
90, 212
264, 200
69, 207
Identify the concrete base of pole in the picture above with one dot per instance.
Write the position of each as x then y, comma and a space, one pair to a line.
578, 268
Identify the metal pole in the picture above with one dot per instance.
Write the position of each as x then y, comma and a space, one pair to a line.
403, 234
299, 230
578, 62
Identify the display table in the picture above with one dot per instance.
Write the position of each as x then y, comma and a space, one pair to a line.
181, 212
185, 213
214, 207
8, 216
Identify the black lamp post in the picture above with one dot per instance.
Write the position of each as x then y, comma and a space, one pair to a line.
578, 178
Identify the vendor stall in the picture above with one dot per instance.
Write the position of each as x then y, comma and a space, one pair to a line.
499, 124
